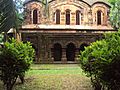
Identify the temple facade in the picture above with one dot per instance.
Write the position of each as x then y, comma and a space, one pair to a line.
60, 29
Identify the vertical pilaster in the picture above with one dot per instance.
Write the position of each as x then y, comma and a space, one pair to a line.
64, 59
39, 50
77, 53
51, 58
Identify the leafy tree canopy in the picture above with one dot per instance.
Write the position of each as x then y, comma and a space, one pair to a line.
115, 13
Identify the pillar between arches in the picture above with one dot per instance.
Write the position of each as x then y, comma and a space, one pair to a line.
64, 59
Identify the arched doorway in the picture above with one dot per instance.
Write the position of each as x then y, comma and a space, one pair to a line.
82, 47
57, 52
70, 52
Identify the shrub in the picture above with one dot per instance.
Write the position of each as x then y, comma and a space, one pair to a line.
101, 62
15, 60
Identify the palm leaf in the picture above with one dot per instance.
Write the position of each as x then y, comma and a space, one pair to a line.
7, 15
45, 4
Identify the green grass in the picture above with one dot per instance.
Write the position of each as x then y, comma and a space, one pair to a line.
55, 69
54, 77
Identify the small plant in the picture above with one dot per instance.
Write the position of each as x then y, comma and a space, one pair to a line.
15, 60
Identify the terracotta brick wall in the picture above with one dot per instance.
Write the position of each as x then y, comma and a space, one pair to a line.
88, 14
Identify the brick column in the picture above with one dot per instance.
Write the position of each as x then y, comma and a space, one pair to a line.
77, 53
64, 59
51, 56
39, 49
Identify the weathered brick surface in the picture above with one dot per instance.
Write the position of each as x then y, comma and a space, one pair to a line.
46, 34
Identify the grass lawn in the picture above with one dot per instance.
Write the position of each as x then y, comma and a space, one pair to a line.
54, 77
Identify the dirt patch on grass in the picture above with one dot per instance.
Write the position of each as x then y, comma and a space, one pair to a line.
75, 82
56, 82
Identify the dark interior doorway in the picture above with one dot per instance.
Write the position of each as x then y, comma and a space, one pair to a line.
57, 52
82, 47
70, 52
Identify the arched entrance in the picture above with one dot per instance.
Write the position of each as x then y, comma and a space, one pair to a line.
70, 52
57, 52
82, 47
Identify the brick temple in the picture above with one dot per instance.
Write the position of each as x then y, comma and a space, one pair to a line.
59, 31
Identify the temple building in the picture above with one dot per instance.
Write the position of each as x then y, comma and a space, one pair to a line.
61, 29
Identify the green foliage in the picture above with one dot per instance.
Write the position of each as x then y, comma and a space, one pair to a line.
115, 13
112, 1
15, 60
101, 61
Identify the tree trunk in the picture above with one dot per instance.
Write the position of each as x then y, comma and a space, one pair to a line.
5, 36
9, 87
21, 76
10, 83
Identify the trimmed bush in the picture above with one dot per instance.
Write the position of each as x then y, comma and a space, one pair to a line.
15, 60
101, 62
